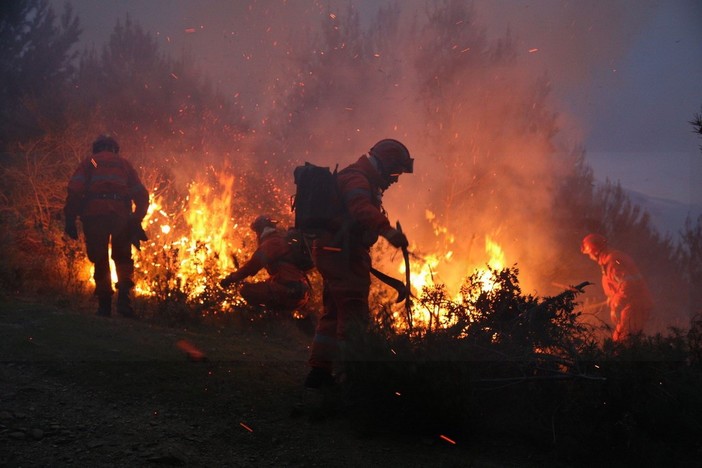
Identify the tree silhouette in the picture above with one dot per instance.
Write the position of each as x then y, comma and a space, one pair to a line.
36, 64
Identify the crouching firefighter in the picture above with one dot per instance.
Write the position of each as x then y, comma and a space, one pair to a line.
105, 192
341, 254
287, 288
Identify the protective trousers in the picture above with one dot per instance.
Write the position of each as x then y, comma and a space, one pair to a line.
632, 320
101, 232
275, 295
341, 328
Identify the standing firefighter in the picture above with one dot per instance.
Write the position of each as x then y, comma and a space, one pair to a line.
341, 254
107, 195
628, 296
287, 288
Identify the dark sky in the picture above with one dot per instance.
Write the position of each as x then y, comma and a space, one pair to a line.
626, 73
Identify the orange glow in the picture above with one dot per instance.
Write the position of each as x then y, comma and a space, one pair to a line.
189, 243
196, 241
496, 262
424, 274
193, 353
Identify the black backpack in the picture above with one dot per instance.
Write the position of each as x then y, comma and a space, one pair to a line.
317, 201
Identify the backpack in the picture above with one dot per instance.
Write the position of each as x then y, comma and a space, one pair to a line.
317, 201
299, 254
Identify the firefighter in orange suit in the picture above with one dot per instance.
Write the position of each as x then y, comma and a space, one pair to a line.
342, 255
287, 288
628, 296
106, 193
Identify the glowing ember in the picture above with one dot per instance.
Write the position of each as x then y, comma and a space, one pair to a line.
193, 353
447, 439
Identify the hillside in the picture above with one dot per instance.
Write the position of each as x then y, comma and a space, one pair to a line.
80, 390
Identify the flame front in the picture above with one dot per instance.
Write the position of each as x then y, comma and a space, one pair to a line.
424, 275
192, 244
496, 262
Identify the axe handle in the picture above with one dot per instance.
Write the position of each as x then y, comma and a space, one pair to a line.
396, 284
408, 283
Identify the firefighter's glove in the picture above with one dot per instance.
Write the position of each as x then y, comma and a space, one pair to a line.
71, 229
136, 233
396, 238
229, 280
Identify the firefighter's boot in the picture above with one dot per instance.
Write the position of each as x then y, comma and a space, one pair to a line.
104, 306
124, 303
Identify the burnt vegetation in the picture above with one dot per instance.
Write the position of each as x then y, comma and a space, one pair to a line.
499, 364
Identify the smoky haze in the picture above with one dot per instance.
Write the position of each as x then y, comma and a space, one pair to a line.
475, 90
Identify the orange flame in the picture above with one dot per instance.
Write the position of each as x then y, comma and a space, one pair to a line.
423, 275
193, 244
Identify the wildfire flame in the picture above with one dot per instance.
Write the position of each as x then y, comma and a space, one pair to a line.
424, 267
188, 243
496, 262
192, 244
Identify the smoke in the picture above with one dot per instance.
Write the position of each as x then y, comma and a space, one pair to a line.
468, 87
478, 91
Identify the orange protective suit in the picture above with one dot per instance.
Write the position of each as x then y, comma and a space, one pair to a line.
343, 260
106, 193
628, 296
287, 288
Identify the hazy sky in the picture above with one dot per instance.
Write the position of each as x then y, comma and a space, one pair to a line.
627, 74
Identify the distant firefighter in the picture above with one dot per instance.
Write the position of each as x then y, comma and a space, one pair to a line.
628, 296
287, 287
107, 195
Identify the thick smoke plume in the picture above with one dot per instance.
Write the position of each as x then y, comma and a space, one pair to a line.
468, 91
479, 123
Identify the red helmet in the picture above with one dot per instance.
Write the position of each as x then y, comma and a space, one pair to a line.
394, 157
593, 243
262, 222
105, 143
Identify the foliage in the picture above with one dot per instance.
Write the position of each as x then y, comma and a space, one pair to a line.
696, 123
496, 363
36, 60
584, 207
689, 253
38, 259
137, 94
522, 369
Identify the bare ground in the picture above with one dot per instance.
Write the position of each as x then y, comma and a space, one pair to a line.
80, 390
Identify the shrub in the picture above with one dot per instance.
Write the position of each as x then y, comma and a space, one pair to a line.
525, 369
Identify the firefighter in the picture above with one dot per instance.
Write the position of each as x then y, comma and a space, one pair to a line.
628, 296
105, 192
287, 287
342, 256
